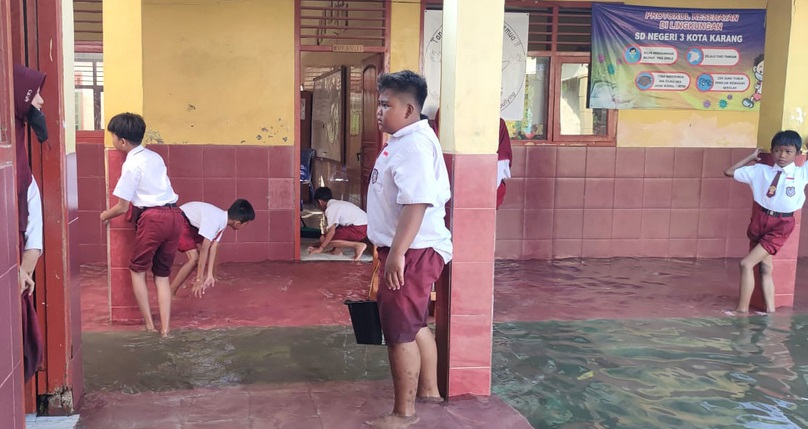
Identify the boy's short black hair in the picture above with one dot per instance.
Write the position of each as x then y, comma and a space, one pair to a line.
405, 82
323, 193
787, 138
241, 210
128, 126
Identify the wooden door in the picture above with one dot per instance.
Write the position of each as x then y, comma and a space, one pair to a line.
371, 136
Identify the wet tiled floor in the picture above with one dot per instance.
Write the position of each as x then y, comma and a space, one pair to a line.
272, 341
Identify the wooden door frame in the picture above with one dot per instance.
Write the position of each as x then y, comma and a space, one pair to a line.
378, 61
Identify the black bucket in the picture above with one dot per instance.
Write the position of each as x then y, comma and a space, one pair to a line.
367, 325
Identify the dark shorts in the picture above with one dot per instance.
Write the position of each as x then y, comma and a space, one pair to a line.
351, 233
156, 240
500, 194
189, 237
771, 232
405, 311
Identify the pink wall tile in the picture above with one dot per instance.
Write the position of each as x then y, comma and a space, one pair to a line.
189, 189
659, 162
90, 157
737, 222
256, 231
626, 248
654, 248
563, 248
281, 225
473, 186
628, 193
472, 289
688, 162
740, 195
253, 252
469, 381
282, 194
541, 161
600, 161
510, 224
537, 249
514, 194
254, 190
540, 193
686, 193
657, 193
571, 161
114, 164
684, 224
470, 339
281, 251
630, 162
252, 161
219, 191
538, 224
509, 249
712, 223
92, 195
282, 163
186, 162
599, 193
569, 193
715, 193
626, 223
92, 253
597, 223
716, 160
784, 275
596, 248
568, 223
219, 161
682, 248
737, 248
90, 227
783, 300
162, 150
519, 161
473, 234
121, 244
120, 280
656, 223
126, 313
711, 248
791, 247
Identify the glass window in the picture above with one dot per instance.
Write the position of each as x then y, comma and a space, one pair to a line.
89, 80
576, 119
533, 125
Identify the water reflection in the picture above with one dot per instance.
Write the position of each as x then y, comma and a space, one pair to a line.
672, 373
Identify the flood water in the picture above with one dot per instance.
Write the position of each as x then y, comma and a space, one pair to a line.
644, 374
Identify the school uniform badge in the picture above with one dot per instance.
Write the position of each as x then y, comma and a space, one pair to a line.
791, 191
374, 176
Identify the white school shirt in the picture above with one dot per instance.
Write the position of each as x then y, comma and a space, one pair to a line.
144, 180
209, 219
343, 213
33, 230
790, 194
410, 170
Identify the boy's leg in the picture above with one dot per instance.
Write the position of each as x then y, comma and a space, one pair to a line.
185, 270
168, 227
164, 302
428, 379
767, 282
747, 265
358, 247
142, 297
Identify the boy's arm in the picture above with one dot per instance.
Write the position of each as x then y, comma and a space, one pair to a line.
121, 208
27, 266
214, 253
329, 236
408, 225
730, 172
200, 269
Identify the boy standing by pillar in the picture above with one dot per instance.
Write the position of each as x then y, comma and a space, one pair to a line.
409, 189
158, 221
778, 191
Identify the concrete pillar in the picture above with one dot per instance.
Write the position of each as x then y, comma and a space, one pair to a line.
469, 130
784, 106
123, 89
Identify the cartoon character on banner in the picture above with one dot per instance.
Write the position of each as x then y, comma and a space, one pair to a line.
758, 70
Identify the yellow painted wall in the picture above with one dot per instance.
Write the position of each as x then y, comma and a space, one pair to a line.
219, 72
405, 35
123, 70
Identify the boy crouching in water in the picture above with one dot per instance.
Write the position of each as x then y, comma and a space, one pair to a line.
347, 225
778, 191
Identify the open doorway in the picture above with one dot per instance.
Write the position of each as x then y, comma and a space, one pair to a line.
339, 138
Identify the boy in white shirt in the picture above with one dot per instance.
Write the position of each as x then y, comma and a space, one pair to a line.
144, 182
347, 225
408, 192
778, 191
203, 226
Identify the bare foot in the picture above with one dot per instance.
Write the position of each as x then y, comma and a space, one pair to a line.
360, 249
151, 328
429, 399
335, 251
392, 421
165, 334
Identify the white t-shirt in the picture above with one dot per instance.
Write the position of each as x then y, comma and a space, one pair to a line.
144, 181
410, 170
343, 213
209, 219
790, 194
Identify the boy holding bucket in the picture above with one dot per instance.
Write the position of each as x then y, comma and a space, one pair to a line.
409, 188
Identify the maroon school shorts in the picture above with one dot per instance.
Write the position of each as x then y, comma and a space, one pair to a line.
156, 240
405, 311
351, 233
771, 232
189, 237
